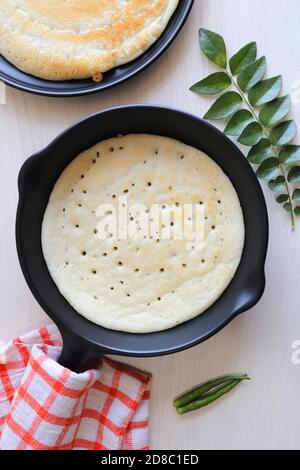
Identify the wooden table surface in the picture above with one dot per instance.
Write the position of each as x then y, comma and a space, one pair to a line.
264, 413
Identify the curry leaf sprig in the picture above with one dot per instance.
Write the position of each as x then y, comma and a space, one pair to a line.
256, 114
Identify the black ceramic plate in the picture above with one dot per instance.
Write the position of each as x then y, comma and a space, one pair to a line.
18, 79
37, 177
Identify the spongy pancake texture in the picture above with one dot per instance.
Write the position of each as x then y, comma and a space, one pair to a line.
76, 39
148, 283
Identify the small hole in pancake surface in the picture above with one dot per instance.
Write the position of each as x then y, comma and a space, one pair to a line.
83, 253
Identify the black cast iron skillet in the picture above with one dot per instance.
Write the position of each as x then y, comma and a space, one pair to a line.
14, 77
84, 341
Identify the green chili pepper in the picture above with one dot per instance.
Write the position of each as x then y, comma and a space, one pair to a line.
201, 402
201, 390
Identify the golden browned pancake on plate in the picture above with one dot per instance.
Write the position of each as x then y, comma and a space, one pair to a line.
76, 39
148, 282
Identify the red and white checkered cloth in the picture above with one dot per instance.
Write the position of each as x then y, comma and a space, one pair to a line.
44, 406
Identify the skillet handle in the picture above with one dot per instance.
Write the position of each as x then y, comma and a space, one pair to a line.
251, 292
78, 355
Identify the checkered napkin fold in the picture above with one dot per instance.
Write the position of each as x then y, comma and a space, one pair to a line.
44, 406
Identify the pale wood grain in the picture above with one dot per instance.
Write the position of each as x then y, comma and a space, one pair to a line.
263, 414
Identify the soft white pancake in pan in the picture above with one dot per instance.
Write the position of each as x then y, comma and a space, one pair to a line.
76, 39
149, 284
